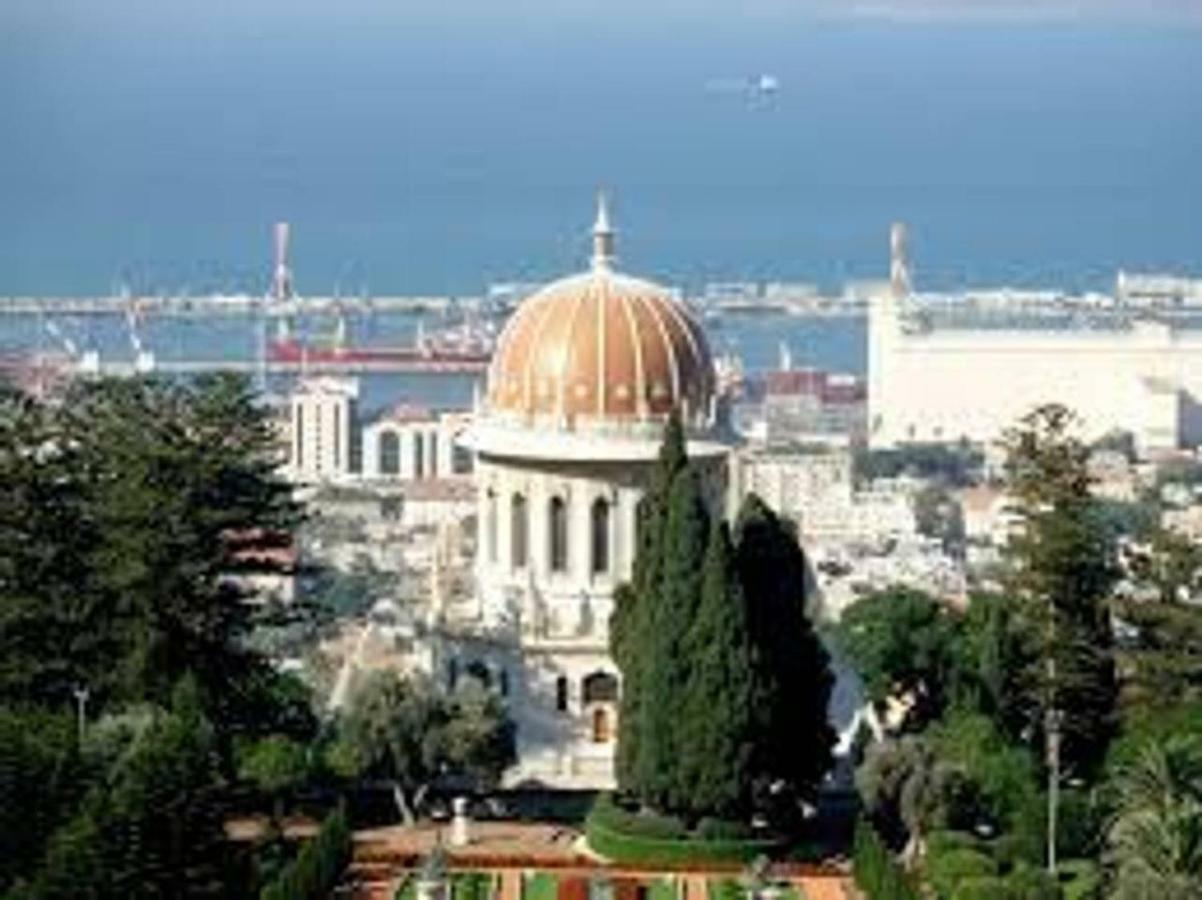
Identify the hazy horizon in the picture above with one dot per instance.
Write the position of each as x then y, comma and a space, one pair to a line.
437, 149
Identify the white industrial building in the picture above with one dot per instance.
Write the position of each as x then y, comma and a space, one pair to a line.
943, 384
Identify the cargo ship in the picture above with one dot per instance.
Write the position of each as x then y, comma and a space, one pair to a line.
465, 348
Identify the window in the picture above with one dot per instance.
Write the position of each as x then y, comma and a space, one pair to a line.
490, 525
418, 454
389, 454
600, 687
601, 733
600, 523
433, 455
561, 694
558, 519
452, 674
503, 682
518, 525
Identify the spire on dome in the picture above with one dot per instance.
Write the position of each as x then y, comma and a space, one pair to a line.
603, 235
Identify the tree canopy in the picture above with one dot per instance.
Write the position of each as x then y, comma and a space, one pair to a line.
725, 684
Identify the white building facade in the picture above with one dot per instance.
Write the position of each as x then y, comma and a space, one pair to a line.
944, 384
322, 437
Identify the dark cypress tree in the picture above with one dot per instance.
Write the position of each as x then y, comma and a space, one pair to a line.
628, 627
793, 680
665, 666
717, 715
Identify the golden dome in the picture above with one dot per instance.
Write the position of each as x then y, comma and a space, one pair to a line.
601, 347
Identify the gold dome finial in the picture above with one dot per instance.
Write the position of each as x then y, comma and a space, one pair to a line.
603, 235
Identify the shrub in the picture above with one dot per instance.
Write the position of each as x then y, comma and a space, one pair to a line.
648, 838
941, 842
876, 873
945, 871
1080, 879
643, 824
319, 865
1029, 883
990, 887
710, 829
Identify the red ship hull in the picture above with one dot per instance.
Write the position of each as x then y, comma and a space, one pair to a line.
418, 357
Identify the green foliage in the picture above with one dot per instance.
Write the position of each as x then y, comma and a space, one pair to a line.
1154, 842
717, 715
793, 680
908, 790
939, 515
406, 732
666, 667
945, 871
153, 821
631, 619
901, 642
41, 781
875, 871
1080, 879
350, 593
950, 466
725, 683
1063, 568
318, 867
119, 509
651, 838
1000, 778
540, 886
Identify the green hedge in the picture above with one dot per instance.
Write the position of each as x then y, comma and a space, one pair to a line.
540, 886
318, 867
947, 870
662, 840
876, 872
1080, 879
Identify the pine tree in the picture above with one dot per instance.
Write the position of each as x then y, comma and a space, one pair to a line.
628, 628
1063, 567
794, 738
717, 717
665, 666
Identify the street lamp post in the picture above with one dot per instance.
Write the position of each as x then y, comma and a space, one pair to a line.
81, 703
1055, 723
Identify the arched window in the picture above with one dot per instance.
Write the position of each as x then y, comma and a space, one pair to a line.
490, 525
599, 687
558, 536
561, 693
600, 523
389, 454
518, 531
418, 455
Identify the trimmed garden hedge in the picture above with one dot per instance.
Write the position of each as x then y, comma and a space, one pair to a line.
662, 840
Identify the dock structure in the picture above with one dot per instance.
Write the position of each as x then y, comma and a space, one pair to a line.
432, 366
232, 305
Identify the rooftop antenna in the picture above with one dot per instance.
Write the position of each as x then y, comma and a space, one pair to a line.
900, 282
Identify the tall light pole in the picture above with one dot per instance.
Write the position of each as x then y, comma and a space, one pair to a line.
81, 702
1055, 723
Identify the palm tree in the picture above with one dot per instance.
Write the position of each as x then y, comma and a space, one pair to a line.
1155, 838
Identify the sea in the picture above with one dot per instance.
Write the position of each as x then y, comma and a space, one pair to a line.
435, 152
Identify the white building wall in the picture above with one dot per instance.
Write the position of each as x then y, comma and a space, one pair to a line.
322, 414
943, 385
